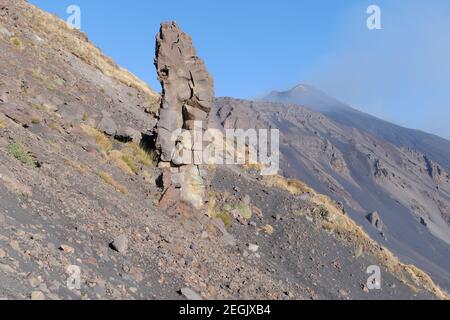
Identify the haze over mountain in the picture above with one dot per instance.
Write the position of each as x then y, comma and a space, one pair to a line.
434, 147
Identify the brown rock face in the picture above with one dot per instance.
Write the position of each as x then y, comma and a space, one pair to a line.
188, 93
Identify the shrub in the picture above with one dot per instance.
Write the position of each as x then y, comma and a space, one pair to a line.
268, 229
224, 216
130, 163
119, 160
19, 152
217, 213
78, 167
145, 157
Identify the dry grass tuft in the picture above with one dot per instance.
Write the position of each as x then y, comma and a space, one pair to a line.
268, 229
107, 178
37, 74
101, 139
36, 120
15, 186
291, 185
81, 168
148, 176
123, 162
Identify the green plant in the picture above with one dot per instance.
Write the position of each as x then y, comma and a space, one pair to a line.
16, 41
224, 216
245, 211
58, 81
130, 163
19, 152
359, 250
24, 196
37, 74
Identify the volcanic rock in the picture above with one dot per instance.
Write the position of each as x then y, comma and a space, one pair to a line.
188, 93
376, 221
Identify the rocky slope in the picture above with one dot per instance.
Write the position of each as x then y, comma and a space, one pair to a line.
432, 146
80, 188
365, 171
425, 157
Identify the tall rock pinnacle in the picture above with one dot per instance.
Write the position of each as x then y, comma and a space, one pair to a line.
188, 93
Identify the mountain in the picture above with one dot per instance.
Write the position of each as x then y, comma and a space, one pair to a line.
307, 95
367, 164
84, 212
432, 146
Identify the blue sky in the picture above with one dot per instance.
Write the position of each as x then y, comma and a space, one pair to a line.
400, 73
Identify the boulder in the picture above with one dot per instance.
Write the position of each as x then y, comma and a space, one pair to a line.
376, 221
190, 294
423, 222
120, 244
107, 126
128, 134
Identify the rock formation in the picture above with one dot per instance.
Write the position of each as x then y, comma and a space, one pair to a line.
187, 97
376, 221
